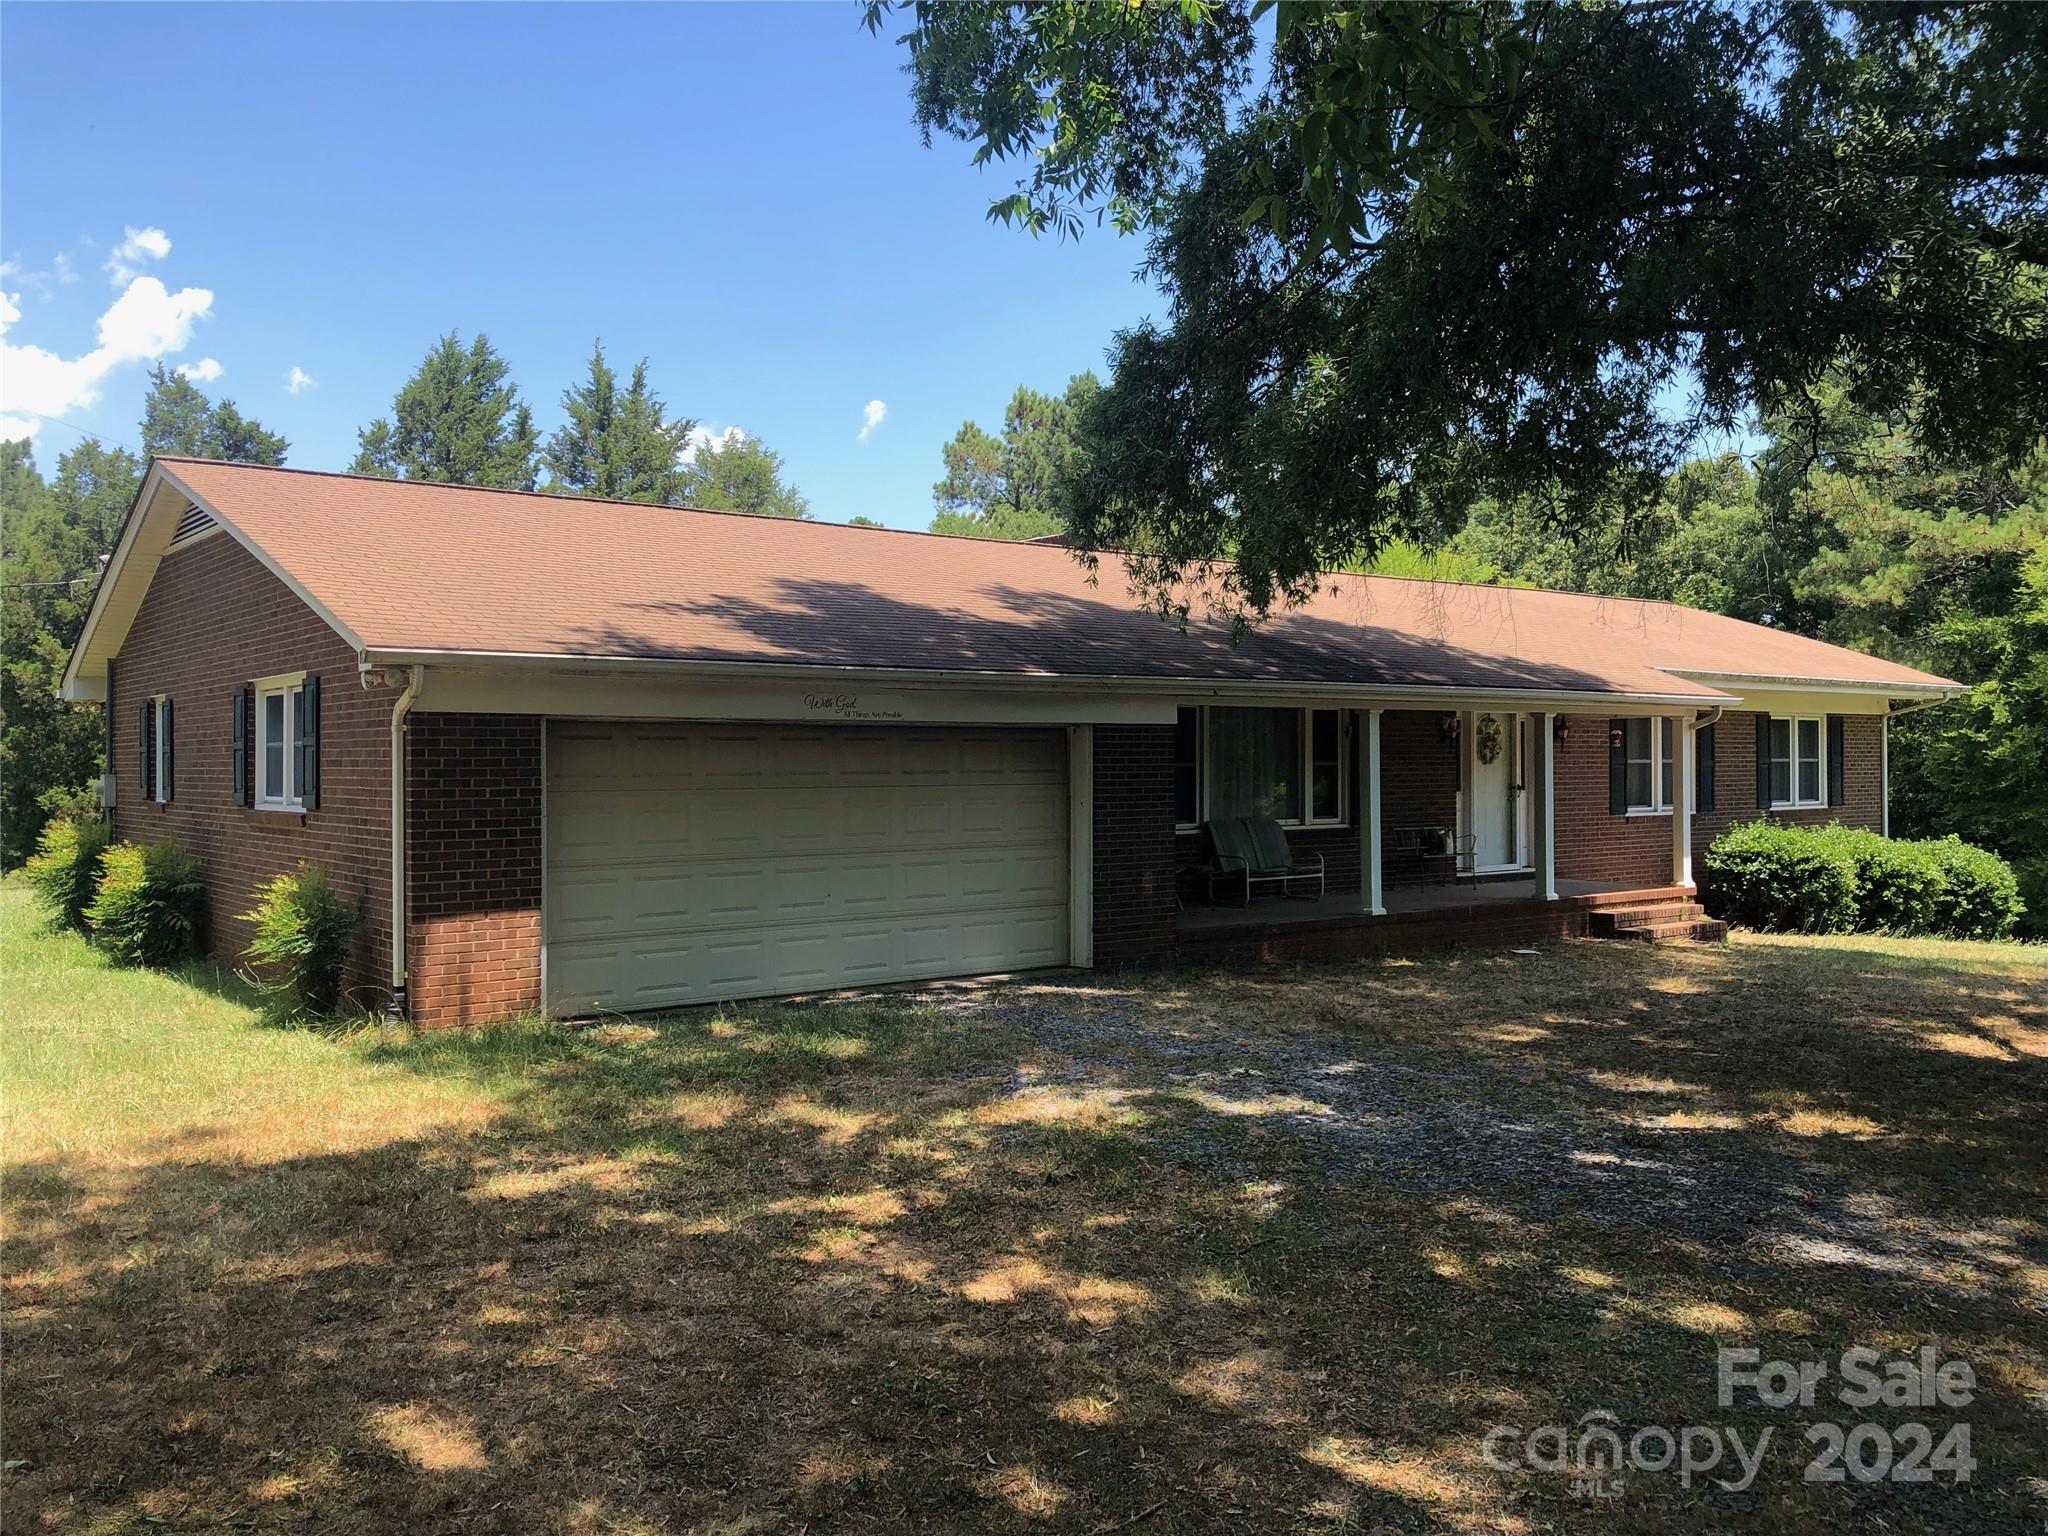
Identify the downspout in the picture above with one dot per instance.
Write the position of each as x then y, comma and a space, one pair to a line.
1884, 755
399, 711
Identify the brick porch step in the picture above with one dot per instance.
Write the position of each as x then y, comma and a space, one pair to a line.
1659, 924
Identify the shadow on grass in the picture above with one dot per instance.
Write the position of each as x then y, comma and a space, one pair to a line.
1188, 1253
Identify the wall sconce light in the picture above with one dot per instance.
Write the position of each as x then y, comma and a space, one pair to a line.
1561, 729
1613, 736
1447, 726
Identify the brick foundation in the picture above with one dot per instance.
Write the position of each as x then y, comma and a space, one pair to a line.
473, 866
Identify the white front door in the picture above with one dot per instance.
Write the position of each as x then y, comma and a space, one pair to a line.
1493, 759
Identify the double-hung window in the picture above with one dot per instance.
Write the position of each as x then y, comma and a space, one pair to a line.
1647, 750
1284, 763
1798, 763
279, 719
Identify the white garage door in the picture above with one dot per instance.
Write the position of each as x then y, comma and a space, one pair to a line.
693, 863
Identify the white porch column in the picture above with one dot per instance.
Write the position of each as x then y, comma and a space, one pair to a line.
1543, 804
1081, 845
1371, 873
1682, 797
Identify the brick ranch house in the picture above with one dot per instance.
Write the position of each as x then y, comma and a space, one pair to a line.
582, 756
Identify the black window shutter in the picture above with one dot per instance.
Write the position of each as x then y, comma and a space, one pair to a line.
1837, 791
240, 736
1617, 767
1763, 762
1703, 769
145, 749
308, 739
169, 785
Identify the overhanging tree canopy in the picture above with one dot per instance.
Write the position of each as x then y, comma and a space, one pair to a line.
1435, 250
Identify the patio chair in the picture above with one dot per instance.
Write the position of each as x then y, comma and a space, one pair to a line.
1254, 849
1426, 855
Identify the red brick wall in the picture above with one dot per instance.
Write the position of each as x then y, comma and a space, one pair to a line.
1134, 844
212, 620
1594, 844
1735, 779
1418, 771
473, 866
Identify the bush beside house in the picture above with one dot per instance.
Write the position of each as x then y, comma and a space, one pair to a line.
1838, 879
65, 868
300, 949
150, 908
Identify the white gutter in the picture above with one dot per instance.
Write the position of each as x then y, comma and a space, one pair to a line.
1933, 692
399, 711
1163, 686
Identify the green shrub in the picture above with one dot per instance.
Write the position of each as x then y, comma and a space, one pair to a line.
1899, 884
1779, 879
1980, 897
303, 930
65, 868
1832, 879
150, 908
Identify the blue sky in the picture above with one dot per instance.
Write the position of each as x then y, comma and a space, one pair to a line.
734, 191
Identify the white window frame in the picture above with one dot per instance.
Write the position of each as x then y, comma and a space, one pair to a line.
289, 687
1306, 714
1820, 779
160, 745
1662, 755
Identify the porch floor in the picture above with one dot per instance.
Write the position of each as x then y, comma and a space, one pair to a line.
1401, 901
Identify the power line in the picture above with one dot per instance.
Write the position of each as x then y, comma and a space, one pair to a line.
83, 435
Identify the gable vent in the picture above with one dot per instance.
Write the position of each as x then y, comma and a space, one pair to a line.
195, 524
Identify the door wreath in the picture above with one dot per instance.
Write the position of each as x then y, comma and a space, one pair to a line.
1487, 743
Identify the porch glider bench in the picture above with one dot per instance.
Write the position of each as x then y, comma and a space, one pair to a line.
1254, 849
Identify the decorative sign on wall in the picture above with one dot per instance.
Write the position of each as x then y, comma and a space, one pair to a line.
847, 706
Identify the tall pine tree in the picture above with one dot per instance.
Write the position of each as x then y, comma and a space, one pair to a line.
177, 417
620, 445
457, 421
1009, 487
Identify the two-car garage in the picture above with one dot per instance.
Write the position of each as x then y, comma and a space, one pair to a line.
690, 863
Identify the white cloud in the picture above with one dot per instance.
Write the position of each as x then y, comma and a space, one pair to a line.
702, 437
871, 417
137, 247
145, 322
205, 371
298, 379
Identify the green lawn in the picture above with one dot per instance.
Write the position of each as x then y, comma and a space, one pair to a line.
1194, 1252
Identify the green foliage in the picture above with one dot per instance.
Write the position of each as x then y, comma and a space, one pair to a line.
1404, 557
1519, 229
150, 907
303, 930
458, 420
178, 418
622, 446
741, 474
1010, 487
51, 540
862, 522
1779, 879
65, 869
1833, 879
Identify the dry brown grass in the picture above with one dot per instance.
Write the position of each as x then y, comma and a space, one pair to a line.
895, 1268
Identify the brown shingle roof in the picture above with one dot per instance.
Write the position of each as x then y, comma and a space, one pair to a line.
418, 568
